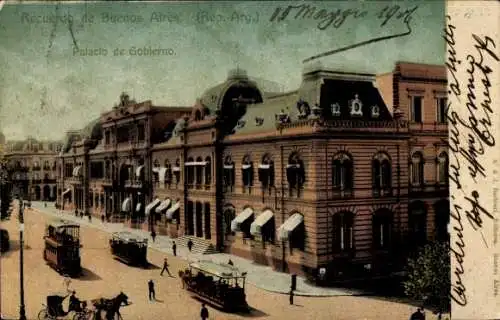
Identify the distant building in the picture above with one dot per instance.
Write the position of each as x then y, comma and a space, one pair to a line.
346, 174
33, 169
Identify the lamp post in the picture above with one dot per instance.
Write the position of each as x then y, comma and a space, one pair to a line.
22, 311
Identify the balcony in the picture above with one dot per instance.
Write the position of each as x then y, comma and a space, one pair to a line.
382, 192
133, 184
342, 194
107, 182
75, 180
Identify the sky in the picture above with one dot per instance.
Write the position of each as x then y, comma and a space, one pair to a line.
62, 65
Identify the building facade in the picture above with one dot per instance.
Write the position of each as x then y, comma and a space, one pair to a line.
32, 166
344, 175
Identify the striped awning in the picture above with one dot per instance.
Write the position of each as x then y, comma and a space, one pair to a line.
77, 171
260, 221
288, 166
126, 205
138, 171
163, 206
171, 211
286, 229
229, 166
246, 166
264, 166
138, 207
66, 191
240, 218
175, 169
152, 205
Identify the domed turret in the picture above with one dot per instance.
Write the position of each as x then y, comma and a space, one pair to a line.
237, 74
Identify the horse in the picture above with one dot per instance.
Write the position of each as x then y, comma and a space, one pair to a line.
184, 276
111, 306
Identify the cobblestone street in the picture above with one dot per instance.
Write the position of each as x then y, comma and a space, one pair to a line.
104, 276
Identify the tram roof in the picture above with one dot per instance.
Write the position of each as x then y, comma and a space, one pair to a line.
129, 236
60, 223
217, 269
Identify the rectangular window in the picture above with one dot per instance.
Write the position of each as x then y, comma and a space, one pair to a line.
108, 137
442, 106
140, 132
416, 109
122, 134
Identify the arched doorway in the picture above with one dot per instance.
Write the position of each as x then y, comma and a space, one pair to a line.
37, 193
46, 193
418, 222
441, 219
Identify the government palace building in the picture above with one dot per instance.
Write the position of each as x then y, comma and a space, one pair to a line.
345, 175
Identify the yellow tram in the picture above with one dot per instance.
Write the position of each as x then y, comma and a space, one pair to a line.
62, 247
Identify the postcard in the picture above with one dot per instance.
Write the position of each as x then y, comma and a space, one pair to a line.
249, 159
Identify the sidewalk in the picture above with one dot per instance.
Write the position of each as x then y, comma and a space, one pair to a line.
262, 277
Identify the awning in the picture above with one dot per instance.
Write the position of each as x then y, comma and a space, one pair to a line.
171, 211
66, 191
176, 169
161, 175
240, 218
152, 205
264, 166
138, 207
246, 166
260, 221
293, 166
138, 171
126, 205
76, 171
228, 166
290, 224
195, 163
163, 206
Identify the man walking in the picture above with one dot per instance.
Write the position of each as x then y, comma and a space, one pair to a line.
291, 297
190, 245
174, 249
151, 286
204, 312
153, 235
418, 315
165, 268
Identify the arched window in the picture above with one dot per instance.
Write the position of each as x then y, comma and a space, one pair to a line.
443, 168
208, 172
295, 173
417, 169
343, 237
442, 218
229, 174
381, 175
342, 173
229, 215
189, 169
199, 171
247, 171
177, 171
382, 229
46, 165
418, 222
168, 172
266, 172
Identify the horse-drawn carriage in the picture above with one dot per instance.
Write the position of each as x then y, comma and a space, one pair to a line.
111, 307
220, 285
129, 248
62, 247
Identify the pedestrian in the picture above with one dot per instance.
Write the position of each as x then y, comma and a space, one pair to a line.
76, 212
153, 235
291, 297
151, 287
102, 218
90, 217
204, 312
81, 214
230, 262
418, 315
165, 268
190, 245
45, 204
174, 249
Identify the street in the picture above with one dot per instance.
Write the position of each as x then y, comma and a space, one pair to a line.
105, 276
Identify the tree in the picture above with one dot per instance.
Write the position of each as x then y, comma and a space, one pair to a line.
429, 275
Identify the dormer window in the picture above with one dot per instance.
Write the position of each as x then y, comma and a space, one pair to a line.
375, 111
282, 117
356, 107
335, 109
240, 124
259, 121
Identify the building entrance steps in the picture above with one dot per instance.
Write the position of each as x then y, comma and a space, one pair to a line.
200, 245
260, 276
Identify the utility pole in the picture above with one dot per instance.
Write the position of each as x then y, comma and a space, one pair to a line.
22, 311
